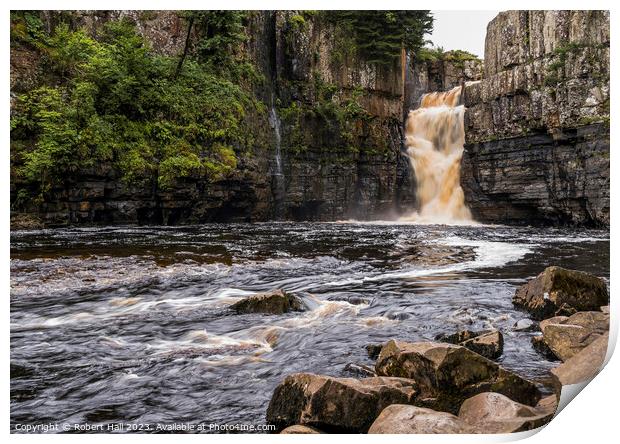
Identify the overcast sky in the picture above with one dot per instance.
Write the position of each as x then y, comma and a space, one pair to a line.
461, 30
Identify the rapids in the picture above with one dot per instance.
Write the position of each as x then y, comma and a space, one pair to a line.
132, 324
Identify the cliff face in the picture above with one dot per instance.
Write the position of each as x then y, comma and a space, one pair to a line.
537, 125
312, 157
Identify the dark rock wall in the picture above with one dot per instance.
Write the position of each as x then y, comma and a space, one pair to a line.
537, 125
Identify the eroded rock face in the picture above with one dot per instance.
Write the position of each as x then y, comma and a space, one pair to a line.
448, 374
488, 343
537, 125
335, 404
401, 419
274, 302
558, 291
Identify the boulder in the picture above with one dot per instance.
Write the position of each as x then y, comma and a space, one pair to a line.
558, 291
409, 419
496, 413
488, 343
298, 429
484, 413
447, 374
335, 404
582, 366
565, 336
273, 302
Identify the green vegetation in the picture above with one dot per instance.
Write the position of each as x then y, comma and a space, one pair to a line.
555, 70
380, 36
114, 100
457, 57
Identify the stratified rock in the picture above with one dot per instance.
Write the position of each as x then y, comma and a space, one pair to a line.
488, 343
335, 404
558, 291
401, 419
274, 302
567, 336
496, 413
605, 309
583, 366
448, 374
298, 429
359, 370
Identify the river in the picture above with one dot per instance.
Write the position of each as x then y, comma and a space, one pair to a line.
132, 324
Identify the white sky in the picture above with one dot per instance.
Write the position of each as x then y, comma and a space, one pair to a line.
461, 30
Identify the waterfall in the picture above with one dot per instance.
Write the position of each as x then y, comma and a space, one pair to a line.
434, 137
278, 185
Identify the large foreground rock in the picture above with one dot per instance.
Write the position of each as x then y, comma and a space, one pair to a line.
407, 419
483, 413
558, 291
496, 413
448, 374
273, 302
335, 404
583, 366
566, 336
488, 343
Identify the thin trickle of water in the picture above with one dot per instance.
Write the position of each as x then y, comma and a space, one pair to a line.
278, 174
435, 137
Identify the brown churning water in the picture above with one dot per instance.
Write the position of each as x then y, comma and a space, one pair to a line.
435, 136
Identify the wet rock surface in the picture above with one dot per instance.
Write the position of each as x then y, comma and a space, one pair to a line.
448, 374
558, 291
274, 302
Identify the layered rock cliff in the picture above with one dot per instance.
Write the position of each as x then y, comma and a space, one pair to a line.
537, 125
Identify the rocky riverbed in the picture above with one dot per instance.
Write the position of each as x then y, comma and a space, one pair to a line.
145, 325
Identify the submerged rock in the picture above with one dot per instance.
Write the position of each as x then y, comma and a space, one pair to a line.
566, 336
335, 404
558, 291
273, 302
496, 413
488, 343
408, 419
448, 374
582, 366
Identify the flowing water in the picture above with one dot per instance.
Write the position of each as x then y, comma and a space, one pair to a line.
278, 179
435, 136
133, 324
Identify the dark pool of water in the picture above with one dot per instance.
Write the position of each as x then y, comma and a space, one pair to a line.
133, 325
